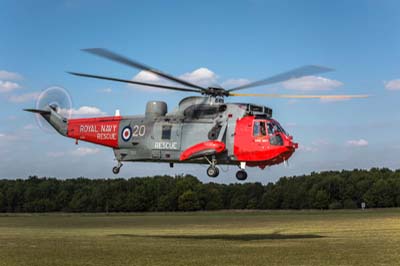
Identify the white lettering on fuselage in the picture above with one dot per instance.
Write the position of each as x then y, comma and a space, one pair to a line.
88, 128
108, 128
105, 136
166, 145
103, 132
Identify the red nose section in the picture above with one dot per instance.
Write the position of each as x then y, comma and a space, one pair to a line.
102, 130
202, 149
258, 148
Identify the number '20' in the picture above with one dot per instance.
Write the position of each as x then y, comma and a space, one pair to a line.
139, 131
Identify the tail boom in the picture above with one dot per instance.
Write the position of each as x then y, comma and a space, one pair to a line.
101, 130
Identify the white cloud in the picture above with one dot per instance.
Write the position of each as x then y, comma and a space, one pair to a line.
231, 83
21, 98
6, 75
7, 86
83, 111
201, 76
357, 143
7, 137
145, 76
29, 127
307, 148
311, 83
393, 85
316, 145
106, 90
83, 151
320, 142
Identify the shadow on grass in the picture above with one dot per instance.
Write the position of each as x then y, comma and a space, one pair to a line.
243, 237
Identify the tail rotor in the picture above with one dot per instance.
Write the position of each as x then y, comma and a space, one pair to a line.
56, 98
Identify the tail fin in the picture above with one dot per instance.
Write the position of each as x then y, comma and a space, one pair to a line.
42, 112
57, 121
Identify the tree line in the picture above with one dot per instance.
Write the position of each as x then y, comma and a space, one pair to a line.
325, 190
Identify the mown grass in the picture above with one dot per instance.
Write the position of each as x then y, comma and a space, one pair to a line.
357, 237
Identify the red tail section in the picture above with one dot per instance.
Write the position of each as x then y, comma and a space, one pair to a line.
102, 130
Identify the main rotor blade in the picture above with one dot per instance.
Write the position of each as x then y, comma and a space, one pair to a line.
129, 62
292, 74
292, 96
134, 82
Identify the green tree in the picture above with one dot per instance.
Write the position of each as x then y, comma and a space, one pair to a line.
380, 195
80, 202
321, 199
210, 197
188, 201
349, 204
167, 202
271, 197
136, 201
185, 183
331, 189
335, 205
2, 205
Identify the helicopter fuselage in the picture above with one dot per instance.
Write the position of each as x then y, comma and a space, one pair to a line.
200, 130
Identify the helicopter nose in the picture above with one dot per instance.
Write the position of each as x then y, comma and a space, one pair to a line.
291, 144
290, 148
295, 145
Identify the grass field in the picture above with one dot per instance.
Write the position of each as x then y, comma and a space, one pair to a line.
369, 237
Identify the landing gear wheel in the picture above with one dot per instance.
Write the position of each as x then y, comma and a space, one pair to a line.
241, 175
115, 170
212, 171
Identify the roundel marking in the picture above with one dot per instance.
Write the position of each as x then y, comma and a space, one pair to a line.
126, 133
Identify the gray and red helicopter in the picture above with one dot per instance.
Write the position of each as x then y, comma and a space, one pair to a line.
202, 129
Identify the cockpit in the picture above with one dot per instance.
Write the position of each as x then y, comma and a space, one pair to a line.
262, 139
271, 129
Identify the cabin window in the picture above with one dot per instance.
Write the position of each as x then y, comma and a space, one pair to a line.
270, 129
262, 128
166, 132
259, 129
256, 128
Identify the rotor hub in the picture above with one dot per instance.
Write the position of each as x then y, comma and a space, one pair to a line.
216, 92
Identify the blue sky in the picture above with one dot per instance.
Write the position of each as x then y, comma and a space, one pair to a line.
230, 42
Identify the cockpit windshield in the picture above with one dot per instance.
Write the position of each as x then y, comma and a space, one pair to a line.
261, 128
280, 128
274, 127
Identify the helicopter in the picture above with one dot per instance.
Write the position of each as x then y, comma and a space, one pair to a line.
203, 129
